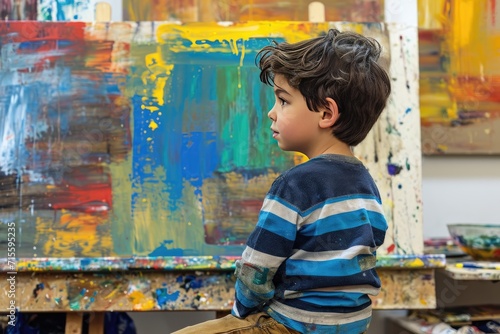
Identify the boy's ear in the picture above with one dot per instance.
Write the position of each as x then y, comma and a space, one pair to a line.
330, 114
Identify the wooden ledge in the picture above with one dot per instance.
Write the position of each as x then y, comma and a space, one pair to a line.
175, 263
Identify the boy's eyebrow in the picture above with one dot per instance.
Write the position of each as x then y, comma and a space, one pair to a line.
281, 91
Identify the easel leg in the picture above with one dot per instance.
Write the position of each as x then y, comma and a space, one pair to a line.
73, 323
96, 323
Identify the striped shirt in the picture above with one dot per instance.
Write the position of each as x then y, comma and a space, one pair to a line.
310, 260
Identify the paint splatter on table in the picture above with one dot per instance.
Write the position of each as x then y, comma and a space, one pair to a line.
180, 284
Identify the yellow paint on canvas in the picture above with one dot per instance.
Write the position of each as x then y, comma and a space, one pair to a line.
474, 40
74, 234
430, 14
464, 15
231, 33
157, 74
469, 53
150, 108
153, 125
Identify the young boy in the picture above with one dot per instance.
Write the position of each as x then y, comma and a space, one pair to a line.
308, 266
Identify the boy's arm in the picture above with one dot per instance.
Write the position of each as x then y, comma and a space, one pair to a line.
254, 286
268, 246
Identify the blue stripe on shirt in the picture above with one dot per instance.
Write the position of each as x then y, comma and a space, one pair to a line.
276, 224
333, 298
332, 268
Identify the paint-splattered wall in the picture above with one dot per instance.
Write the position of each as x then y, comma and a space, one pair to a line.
152, 139
460, 76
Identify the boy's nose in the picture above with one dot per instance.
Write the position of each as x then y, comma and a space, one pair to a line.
271, 114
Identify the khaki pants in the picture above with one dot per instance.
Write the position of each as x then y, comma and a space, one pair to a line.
253, 324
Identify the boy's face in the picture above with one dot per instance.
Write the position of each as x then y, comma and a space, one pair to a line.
294, 126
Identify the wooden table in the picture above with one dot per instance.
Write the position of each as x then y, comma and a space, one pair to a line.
176, 283
453, 280
477, 271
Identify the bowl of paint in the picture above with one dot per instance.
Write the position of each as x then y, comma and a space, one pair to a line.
480, 241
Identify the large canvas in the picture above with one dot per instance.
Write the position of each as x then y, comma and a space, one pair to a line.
190, 10
244, 10
152, 139
460, 76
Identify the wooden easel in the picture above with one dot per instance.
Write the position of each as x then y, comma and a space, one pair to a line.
74, 323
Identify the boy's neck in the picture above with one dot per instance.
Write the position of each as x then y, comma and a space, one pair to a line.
332, 147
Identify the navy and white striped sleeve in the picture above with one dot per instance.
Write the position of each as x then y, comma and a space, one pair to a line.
268, 246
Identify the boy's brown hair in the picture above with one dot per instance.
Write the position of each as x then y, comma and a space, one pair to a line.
340, 65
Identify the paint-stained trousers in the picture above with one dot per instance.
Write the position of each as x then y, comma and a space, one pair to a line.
257, 323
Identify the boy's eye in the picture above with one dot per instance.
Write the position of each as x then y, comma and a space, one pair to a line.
282, 102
